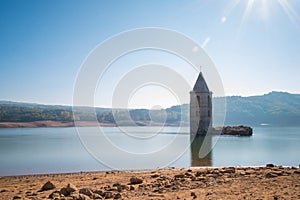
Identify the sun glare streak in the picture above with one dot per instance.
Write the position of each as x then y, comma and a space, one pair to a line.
205, 42
229, 9
290, 12
265, 10
247, 11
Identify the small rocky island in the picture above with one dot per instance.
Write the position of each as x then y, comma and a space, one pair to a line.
234, 130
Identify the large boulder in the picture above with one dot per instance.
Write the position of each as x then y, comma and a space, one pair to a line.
48, 186
66, 191
135, 180
86, 191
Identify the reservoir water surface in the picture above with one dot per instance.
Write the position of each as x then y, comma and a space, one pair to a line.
63, 150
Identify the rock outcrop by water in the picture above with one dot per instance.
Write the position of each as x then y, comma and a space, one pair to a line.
234, 130
237, 130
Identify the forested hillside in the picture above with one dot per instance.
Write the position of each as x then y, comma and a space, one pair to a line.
275, 108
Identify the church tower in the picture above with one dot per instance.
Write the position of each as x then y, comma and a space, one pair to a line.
200, 108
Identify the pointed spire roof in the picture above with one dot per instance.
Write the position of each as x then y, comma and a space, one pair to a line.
200, 85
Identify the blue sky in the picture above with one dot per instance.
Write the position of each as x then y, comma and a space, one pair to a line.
255, 44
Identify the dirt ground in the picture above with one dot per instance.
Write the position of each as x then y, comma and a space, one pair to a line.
188, 183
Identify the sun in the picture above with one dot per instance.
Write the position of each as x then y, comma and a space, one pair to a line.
264, 7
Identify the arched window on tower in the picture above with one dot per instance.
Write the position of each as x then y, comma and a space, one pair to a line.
208, 100
208, 104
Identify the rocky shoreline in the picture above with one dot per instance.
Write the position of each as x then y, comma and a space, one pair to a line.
270, 182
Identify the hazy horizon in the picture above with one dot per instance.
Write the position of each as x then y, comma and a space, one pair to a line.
99, 106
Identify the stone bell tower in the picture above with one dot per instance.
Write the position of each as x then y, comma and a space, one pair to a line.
200, 108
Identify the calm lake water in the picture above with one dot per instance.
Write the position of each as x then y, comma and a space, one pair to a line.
60, 150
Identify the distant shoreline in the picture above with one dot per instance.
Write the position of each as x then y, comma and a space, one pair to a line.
273, 109
49, 123
226, 130
61, 124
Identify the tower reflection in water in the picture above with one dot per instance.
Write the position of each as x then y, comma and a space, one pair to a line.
197, 160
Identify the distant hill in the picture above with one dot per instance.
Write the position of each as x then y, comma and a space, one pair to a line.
275, 108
